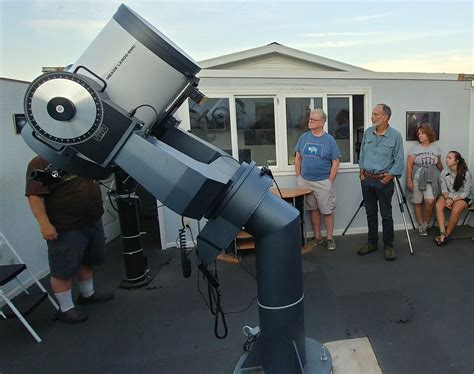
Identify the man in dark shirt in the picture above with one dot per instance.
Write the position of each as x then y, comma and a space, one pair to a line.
68, 212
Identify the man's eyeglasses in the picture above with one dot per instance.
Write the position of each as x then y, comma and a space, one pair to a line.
315, 120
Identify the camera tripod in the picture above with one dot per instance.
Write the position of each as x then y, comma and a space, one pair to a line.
401, 201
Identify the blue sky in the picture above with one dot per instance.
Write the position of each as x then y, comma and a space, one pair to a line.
401, 36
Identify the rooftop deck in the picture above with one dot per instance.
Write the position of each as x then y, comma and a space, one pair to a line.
417, 313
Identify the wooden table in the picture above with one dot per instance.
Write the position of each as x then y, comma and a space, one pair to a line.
296, 197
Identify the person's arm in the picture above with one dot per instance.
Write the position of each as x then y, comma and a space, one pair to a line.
410, 161
334, 169
448, 202
399, 165
361, 158
439, 164
335, 163
39, 211
444, 186
297, 164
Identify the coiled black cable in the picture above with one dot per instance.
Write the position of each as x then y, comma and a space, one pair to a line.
185, 261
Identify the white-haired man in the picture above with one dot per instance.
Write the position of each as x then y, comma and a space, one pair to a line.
316, 165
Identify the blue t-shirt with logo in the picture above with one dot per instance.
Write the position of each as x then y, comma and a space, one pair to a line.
317, 154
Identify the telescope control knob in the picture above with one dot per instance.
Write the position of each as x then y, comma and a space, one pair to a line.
61, 109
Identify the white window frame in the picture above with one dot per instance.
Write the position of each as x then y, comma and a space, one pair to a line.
349, 97
275, 111
282, 168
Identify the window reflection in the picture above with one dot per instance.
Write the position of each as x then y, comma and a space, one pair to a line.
256, 130
211, 121
339, 125
297, 115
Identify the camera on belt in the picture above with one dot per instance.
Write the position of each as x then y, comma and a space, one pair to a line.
47, 176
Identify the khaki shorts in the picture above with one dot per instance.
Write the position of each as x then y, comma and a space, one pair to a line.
419, 196
323, 196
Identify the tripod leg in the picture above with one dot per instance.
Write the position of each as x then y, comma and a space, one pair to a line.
404, 199
400, 204
352, 219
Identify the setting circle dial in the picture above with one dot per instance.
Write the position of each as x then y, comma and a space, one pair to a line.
63, 107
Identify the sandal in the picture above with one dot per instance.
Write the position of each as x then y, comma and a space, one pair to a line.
442, 239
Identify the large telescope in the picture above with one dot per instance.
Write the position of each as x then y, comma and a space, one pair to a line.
114, 106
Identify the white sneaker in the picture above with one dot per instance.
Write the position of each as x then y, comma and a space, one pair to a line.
422, 230
331, 245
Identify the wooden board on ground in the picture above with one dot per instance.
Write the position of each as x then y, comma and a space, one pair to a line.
353, 356
230, 259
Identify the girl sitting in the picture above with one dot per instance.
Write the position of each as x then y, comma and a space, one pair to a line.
455, 195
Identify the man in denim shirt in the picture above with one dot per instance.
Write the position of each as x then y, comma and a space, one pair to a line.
381, 160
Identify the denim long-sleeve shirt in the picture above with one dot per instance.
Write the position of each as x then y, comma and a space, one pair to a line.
382, 153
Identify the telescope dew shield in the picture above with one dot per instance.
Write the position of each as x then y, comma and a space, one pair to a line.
138, 64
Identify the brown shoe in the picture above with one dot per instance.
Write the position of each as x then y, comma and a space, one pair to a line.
71, 316
315, 241
389, 253
366, 249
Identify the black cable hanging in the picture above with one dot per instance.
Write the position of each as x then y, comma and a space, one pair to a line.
266, 171
215, 300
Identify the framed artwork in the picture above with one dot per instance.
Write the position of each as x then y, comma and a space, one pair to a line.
417, 118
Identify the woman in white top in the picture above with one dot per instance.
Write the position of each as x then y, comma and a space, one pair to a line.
423, 168
455, 194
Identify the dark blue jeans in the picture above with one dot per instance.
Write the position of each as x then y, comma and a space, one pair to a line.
375, 191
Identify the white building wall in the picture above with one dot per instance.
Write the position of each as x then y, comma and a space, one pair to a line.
16, 220
452, 98
449, 97
471, 142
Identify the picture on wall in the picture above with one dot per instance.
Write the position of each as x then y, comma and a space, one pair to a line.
415, 119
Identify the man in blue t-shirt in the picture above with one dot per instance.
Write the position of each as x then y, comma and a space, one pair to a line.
316, 165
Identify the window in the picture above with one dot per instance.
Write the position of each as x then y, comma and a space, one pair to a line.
256, 129
211, 122
265, 128
345, 122
297, 114
338, 123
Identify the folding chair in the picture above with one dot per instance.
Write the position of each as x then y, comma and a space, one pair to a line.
10, 272
469, 211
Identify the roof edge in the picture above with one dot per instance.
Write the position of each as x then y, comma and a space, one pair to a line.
311, 74
14, 80
277, 48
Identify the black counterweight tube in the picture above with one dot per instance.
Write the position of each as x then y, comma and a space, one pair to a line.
276, 228
127, 204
